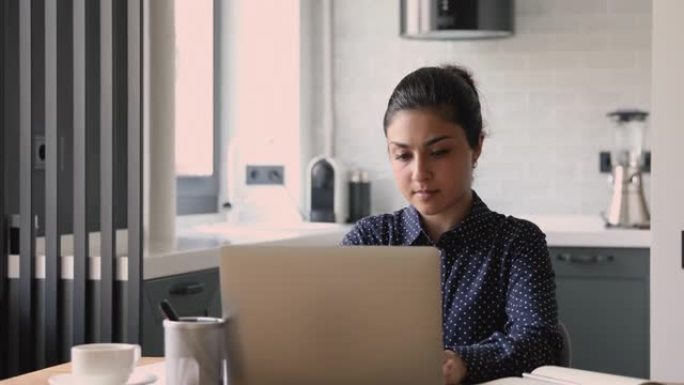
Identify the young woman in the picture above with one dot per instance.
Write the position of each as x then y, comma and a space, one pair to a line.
498, 291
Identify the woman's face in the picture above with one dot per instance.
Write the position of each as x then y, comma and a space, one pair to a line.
431, 160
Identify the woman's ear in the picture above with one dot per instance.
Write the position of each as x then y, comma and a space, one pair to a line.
477, 151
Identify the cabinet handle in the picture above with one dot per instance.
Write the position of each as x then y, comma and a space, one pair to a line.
186, 288
584, 259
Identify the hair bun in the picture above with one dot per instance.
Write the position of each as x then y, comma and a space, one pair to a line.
463, 73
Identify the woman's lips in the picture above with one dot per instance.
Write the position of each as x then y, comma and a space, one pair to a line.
425, 194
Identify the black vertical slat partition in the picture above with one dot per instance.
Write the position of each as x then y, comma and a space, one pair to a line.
81, 241
26, 227
3, 217
52, 235
92, 81
107, 234
135, 175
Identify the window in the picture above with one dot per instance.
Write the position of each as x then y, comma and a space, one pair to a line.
197, 134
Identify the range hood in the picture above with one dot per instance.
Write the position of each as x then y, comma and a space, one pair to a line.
456, 19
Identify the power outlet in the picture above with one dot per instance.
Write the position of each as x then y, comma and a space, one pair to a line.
265, 175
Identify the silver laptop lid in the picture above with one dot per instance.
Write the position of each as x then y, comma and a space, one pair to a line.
333, 315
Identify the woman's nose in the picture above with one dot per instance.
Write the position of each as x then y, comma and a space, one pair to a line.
421, 169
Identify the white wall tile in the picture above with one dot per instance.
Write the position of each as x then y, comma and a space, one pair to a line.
534, 8
629, 6
629, 40
554, 60
612, 22
610, 60
582, 7
541, 24
581, 42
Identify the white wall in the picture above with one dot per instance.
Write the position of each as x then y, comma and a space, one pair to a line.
546, 92
262, 104
667, 274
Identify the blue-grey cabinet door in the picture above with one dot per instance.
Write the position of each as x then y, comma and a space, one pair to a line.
191, 294
603, 298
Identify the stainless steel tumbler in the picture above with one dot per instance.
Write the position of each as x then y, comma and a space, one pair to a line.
194, 350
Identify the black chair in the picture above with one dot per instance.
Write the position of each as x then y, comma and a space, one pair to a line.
566, 351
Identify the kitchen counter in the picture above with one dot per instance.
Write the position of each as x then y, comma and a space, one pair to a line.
561, 231
198, 247
587, 231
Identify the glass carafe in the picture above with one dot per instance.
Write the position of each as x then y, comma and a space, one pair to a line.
629, 132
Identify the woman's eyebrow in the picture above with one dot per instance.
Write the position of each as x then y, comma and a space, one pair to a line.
427, 143
398, 144
432, 141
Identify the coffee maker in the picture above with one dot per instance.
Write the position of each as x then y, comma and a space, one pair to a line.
628, 206
327, 190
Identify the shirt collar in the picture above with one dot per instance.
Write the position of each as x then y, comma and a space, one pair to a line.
413, 224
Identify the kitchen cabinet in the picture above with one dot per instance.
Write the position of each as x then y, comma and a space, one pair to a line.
191, 294
603, 299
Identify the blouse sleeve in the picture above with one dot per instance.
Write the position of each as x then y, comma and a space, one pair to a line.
364, 233
530, 336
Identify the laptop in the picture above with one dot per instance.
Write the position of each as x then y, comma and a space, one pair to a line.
332, 315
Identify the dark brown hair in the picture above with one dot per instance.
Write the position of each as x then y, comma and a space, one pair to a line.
448, 90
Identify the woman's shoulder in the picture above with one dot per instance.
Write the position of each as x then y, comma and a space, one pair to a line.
375, 229
501, 227
521, 225
519, 230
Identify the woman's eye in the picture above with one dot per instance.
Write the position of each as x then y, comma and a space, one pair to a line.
403, 156
438, 153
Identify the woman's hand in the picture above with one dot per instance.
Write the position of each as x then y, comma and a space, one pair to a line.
454, 368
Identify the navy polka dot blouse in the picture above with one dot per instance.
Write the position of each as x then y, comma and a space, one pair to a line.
498, 291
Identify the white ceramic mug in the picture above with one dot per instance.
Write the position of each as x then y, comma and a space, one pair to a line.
103, 364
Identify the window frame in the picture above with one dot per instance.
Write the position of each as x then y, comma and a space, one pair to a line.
200, 194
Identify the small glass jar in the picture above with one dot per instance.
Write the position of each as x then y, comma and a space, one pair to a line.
359, 196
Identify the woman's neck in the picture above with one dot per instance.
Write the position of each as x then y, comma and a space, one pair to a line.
439, 223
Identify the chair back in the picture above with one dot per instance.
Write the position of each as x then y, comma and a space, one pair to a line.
566, 350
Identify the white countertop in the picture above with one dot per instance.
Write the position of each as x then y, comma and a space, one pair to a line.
587, 231
198, 247
561, 231
202, 250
